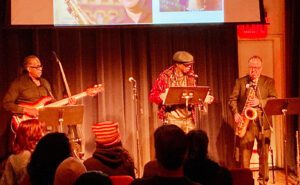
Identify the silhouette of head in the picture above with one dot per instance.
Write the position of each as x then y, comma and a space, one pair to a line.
170, 146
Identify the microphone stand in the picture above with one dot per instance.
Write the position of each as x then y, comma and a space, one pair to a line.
136, 108
63, 75
70, 127
263, 154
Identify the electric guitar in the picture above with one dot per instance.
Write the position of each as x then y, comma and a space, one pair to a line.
44, 102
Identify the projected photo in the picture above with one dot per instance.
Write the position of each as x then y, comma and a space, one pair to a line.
102, 12
189, 5
132, 12
187, 11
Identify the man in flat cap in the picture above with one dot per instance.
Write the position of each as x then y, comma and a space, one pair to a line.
180, 74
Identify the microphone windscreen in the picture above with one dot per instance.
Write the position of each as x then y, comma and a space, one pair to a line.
131, 79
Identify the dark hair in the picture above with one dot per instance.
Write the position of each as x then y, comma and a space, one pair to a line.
50, 151
29, 132
170, 146
28, 59
197, 144
93, 178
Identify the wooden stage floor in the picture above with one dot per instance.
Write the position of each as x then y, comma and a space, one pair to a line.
279, 178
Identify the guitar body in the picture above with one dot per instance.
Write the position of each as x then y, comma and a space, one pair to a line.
17, 119
38, 104
45, 102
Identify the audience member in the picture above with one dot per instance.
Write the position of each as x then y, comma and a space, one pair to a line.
151, 169
27, 135
198, 167
110, 157
50, 151
68, 171
93, 178
170, 149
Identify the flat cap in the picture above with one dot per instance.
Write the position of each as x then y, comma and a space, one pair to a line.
183, 57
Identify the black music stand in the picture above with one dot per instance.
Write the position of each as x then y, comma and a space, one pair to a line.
59, 116
283, 106
186, 95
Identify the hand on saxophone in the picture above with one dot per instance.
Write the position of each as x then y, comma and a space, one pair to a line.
238, 118
253, 102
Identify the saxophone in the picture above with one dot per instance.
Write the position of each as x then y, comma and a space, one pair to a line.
247, 114
80, 16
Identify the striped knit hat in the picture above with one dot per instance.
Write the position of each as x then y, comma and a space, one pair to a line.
106, 133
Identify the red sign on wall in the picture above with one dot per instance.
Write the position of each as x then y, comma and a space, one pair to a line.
253, 30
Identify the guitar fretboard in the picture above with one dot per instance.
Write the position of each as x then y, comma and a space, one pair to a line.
66, 101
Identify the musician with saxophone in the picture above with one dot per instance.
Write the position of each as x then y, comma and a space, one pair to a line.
246, 102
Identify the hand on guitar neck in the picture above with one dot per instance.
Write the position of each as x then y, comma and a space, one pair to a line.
72, 101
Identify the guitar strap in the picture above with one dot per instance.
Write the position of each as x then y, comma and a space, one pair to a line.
48, 90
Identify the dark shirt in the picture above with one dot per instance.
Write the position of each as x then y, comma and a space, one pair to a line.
112, 161
207, 172
158, 180
24, 90
151, 169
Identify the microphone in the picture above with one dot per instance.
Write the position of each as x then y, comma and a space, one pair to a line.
54, 54
193, 75
251, 84
134, 89
56, 58
131, 79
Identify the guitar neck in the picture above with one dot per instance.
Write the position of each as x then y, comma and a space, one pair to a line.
65, 101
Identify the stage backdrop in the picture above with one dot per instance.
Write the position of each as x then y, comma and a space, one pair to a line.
110, 56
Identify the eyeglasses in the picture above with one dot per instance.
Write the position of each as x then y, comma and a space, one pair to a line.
36, 67
254, 68
187, 64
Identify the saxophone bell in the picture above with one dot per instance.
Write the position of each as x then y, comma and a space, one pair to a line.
250, 113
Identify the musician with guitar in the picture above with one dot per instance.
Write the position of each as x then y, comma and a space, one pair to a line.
30, 92
246, 102
29, 87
